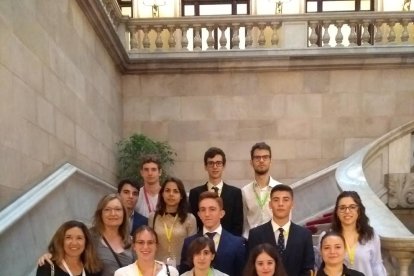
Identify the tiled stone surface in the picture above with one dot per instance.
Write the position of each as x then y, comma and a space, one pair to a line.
60, 95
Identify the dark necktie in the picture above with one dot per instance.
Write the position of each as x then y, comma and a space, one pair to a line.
215, 189
211, 235
281, 241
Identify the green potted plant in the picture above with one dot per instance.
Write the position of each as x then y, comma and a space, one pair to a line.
132, 149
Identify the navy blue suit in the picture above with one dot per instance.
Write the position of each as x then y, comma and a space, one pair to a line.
298, 257
232, 205
230, 256
138, 221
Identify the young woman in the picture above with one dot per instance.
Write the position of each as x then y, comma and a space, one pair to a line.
110, 236
145, 246
171, 221
362, 244
264, 260
200, 254
73, 252
332, 250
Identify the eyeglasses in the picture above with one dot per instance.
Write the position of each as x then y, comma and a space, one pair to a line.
350, 208
217, 163
110, 210
142, 243
261, 157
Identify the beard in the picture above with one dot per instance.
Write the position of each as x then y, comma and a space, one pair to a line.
261, 171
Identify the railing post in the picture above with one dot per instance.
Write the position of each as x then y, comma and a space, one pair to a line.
184, 39
235, 40
313, 38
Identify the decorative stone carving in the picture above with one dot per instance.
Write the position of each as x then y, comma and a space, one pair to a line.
400, 190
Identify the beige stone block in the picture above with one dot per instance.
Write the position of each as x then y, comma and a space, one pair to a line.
85, 143
399, 121
397, 80
194, 151
237, 170
238, 150
332, 148
300, 168
308, 149
316, 82
75, 80
371, 81
256, 130
342, 104
131, 86
400, 153
35, 142
65, 129
57, 60
45, 115
165, 108
8, 194
23, 100
10, 167
6, 34
304, 105
405, 102
379, 104
52, 87
282, 149
130, 128
345, 81
155, 130
326, 127
351, 145
6, 86
279, 82
278, 169
198, 108
137, 109
294, 128
57, 150
372, 126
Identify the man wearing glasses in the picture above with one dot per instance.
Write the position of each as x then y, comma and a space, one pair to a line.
256, 194
214, 164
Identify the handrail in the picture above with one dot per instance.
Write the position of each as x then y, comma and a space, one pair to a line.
16, 210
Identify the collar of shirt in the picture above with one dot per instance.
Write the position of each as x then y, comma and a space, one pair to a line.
219, 186
218, 230
285, 227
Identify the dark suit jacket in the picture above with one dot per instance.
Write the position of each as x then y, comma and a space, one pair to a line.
138, 221
298, 257
230, 256
232, 205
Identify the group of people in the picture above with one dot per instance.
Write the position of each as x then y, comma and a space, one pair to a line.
219, 230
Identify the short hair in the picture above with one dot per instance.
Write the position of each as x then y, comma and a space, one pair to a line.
331, 234
282, 188
250, 268
213, 151
260, 146
182, 209
150, 158
98, 224
143, 228
212, 195
197, 245
88, 257
365, 231
123, 182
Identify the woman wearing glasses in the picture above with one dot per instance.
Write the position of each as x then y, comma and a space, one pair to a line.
145, 246
362, 244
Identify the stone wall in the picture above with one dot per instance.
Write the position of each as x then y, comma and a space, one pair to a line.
60, 95
310, 118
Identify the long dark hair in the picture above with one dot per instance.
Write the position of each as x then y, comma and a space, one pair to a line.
250, 268
182, 209
365, 231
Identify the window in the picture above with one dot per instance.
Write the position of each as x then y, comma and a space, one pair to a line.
339, 5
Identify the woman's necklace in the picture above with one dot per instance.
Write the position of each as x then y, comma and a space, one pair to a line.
153, 269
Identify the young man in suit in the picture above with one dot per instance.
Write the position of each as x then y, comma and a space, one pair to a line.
293, 241
230, 249
214, 164
128, 192
256, 194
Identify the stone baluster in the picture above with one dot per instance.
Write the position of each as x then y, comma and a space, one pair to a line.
171, 38
235, 40
275, 36
223, 39
197, 37
353, 35
133, 30
404, 35
391, 34
262, 40
365, 33
158, 41
339, 36
249, 39
313, 38
184, 39
146, 41
326, 37
378, 31
210, 38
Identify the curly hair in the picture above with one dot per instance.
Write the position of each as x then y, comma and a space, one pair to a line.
88, 257
182, 210
250, 268
365, 231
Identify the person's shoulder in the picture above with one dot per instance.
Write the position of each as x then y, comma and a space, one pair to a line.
229, 236
197, 189
231, 187
124, 269
300, 229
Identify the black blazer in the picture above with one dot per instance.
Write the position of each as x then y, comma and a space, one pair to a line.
232, 205
230, 256
298, 257
345, 272
138, 221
